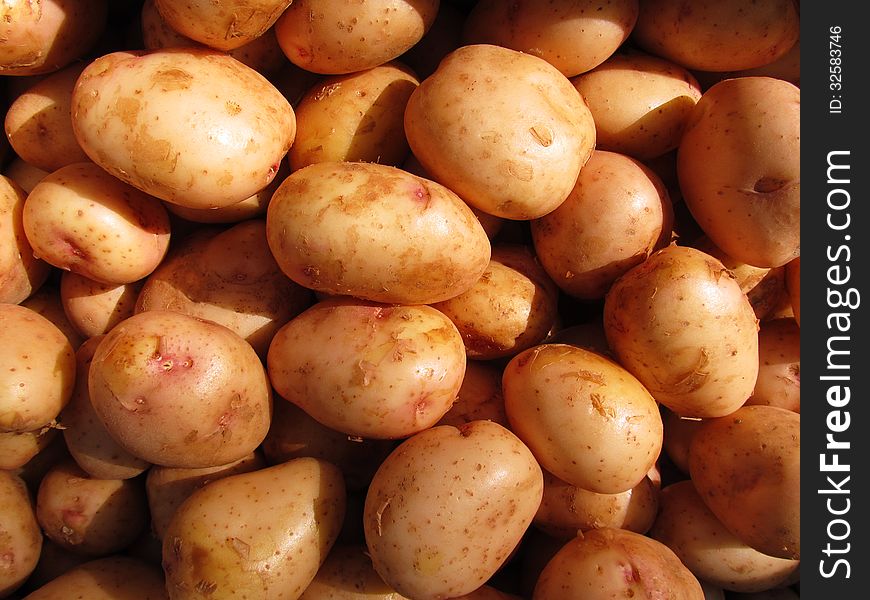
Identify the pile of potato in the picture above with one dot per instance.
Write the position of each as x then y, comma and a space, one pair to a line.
400, 299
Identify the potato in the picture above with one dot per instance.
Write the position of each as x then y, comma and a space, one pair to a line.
463, 126
647, 122
718, 36
167, 488
39, 370
787, 67
86, 438
678, 435
110, 578
587, 420
346, 36
21, 273
82, 219
258, 534
375, 232
367, 369
617, 214
48, 35
126, 118
793, 286
739, 169
512, 307
746, 468
179, 391
610, 563
90, 516
572, 36
24, 174
478, 481
480, 396
779, 372
38, 123
20, 536
46, 302
680, 324
487, 592
18, 447
94, 308
355, 117
348, 574
709, 550
231, 279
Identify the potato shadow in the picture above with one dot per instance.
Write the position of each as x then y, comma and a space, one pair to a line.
371, 134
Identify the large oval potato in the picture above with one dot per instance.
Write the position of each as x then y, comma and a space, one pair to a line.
21, 273
20, 534
464, 125
680, 323
375, 232
478, 481
227, 147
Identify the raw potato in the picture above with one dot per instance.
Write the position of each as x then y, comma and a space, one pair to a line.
110, 578
262, 534
607, 563
81, 218
678, 435
779, 373
20, 535
680, 323
739, 169
21, 273
375, 232
346, 36
348, 574
617, 214
710, 551
648, 121
38, 372
746, 467
46, 302
478, 481
479, 397
369, 370
126, 118
355, 117
94, 308
18, 447
718, 36
574, 36
464, 125
179, 391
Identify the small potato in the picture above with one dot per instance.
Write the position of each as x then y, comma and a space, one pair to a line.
348, 574
110, 578
93, 308
680, 324
479, 397
367, 369
462, 124
779, 372
617, 214
21, 273
38, 373
678, 435
686, 526
375, 232
607, 563
47, 303
512, 307
20, 535
179, 391
262, 534
718, 36
355, 117
126, 118
587, 420
90, 516
739, 169
24, 174
18, 447
478, 481
82, 219
345, 36
793, 286
647, 122
746, 467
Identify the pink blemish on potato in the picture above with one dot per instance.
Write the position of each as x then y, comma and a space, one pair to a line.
420, 193
73, 518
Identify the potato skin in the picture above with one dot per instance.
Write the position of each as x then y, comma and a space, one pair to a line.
478, 480
18, 447
348, 574
21, 273
375, 232
680, 323
779, 372
94, 308
20, 534
111, 578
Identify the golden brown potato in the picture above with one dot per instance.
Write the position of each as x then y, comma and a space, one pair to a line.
93, 308
348, 574
20, 535
46, 301
21, 273
779, 372
18, 447
110, 578
678, 433
479, 397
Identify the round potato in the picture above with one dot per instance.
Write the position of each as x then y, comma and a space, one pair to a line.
647, 122
110, 578
739, 169
21, 273
587, 420
462, 124
478, 480
718, 36
355, 117
94, 308
680, 324
746, 467
369, 370
375, 232
179, 391
345, 36
574, 36
779, 371
80, 218
126, 118
20, 534
18, 447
